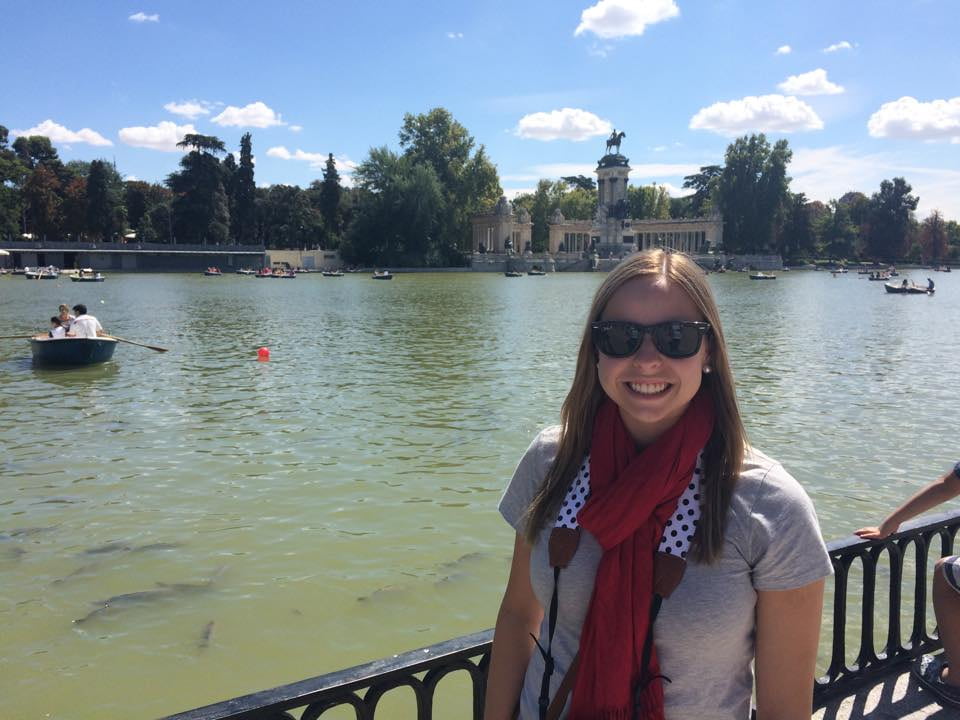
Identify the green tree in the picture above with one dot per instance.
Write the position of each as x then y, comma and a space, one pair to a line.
705, 184
36, 150
540, 210
578, 203
244, 200
330, 196
105, 213
13, 174
838, 235
642, 201
201, 212
753, 193
889, 220
581, 182
468, 180
798, 238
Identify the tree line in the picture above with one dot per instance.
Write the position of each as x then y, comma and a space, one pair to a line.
413, 207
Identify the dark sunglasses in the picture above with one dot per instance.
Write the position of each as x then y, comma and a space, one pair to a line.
673, 339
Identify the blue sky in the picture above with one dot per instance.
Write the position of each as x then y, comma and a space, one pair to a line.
862, 89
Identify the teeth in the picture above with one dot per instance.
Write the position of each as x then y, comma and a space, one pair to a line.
648, 389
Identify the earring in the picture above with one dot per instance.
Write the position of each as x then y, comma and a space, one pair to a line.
707, 369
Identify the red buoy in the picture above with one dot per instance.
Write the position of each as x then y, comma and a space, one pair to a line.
263, 354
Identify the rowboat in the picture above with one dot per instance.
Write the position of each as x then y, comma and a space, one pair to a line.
907, 289
535, 272
87, 276
513, 273
246, 271
72, 351
762, 276
47, 273
385, 275
332, 273
212, 272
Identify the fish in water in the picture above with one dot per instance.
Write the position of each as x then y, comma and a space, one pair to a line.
206, 635
144, 597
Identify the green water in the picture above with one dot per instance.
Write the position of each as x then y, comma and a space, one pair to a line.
337, 503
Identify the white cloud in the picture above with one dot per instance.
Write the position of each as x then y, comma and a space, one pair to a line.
163, 136
455, 35
256, 114
675, 191
827, 173
911, 119
811, 83
766, 113
142, 17
514, 193
316, 161
784, 50
620, 18
296, 128
236, 157
131, 178
659, 170
59, 134
564, 124
842, 45
190, 109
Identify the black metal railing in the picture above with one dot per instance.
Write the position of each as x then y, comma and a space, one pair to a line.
362, 687
871, 662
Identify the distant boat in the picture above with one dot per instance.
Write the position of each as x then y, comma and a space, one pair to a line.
513, 273
263, 273
385, 275
289, 275
47, 273
762, 276
212, 272
87, 275
246, 271
536, 272
907, 289
332, 273
72, 351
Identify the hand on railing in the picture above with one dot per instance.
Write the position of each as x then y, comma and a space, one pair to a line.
885, 529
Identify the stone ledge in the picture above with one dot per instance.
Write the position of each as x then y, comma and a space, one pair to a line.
896, 696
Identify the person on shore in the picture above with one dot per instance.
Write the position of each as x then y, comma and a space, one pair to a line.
934, 671
56, 328
66, 319
85, 325
645, 498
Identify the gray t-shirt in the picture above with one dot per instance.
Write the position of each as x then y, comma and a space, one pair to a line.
705, 632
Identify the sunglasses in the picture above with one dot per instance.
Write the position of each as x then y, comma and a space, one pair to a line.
673, 339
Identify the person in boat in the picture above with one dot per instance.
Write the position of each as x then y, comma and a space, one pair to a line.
85, 325
66, 319
56, 328
904, 283
929, 285
648, 489
935, 672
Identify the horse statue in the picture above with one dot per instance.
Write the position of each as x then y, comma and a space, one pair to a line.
614, 140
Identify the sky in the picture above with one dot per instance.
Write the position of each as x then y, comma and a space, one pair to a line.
863, 90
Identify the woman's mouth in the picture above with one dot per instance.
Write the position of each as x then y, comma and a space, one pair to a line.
648, 389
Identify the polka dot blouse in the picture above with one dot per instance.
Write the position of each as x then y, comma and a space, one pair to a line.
680, 528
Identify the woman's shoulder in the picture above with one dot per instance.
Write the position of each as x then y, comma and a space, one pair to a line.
529, 475
765, 486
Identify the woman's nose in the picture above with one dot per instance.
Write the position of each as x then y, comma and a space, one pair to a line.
647, 352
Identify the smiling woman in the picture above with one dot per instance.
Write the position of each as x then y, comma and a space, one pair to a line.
642, 510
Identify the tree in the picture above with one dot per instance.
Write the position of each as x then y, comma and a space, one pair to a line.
41, 194
105, 213
578, 203
74, 208
933, 238
201, 212
540, 211
36, 150
581, 182
889, 218
12, 176
330, 195
798, 238
244, 200
838, 234
468, 182
753, 193
706, 184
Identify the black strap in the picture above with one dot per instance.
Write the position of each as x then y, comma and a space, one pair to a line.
643, 681
544, 700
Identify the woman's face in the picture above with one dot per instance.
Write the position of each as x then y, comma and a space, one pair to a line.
651, 390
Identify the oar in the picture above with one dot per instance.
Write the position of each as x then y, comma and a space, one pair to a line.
131, 342
17, 337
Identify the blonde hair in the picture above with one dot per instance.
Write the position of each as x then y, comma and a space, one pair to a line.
723, 454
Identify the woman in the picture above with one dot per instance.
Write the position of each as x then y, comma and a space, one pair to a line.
649, 468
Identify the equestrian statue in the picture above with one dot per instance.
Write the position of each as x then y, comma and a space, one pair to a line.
614, 140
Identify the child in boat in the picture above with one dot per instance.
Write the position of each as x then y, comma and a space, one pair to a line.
935, 672
56, 328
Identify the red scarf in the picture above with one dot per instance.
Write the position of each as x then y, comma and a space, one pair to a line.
632, 494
